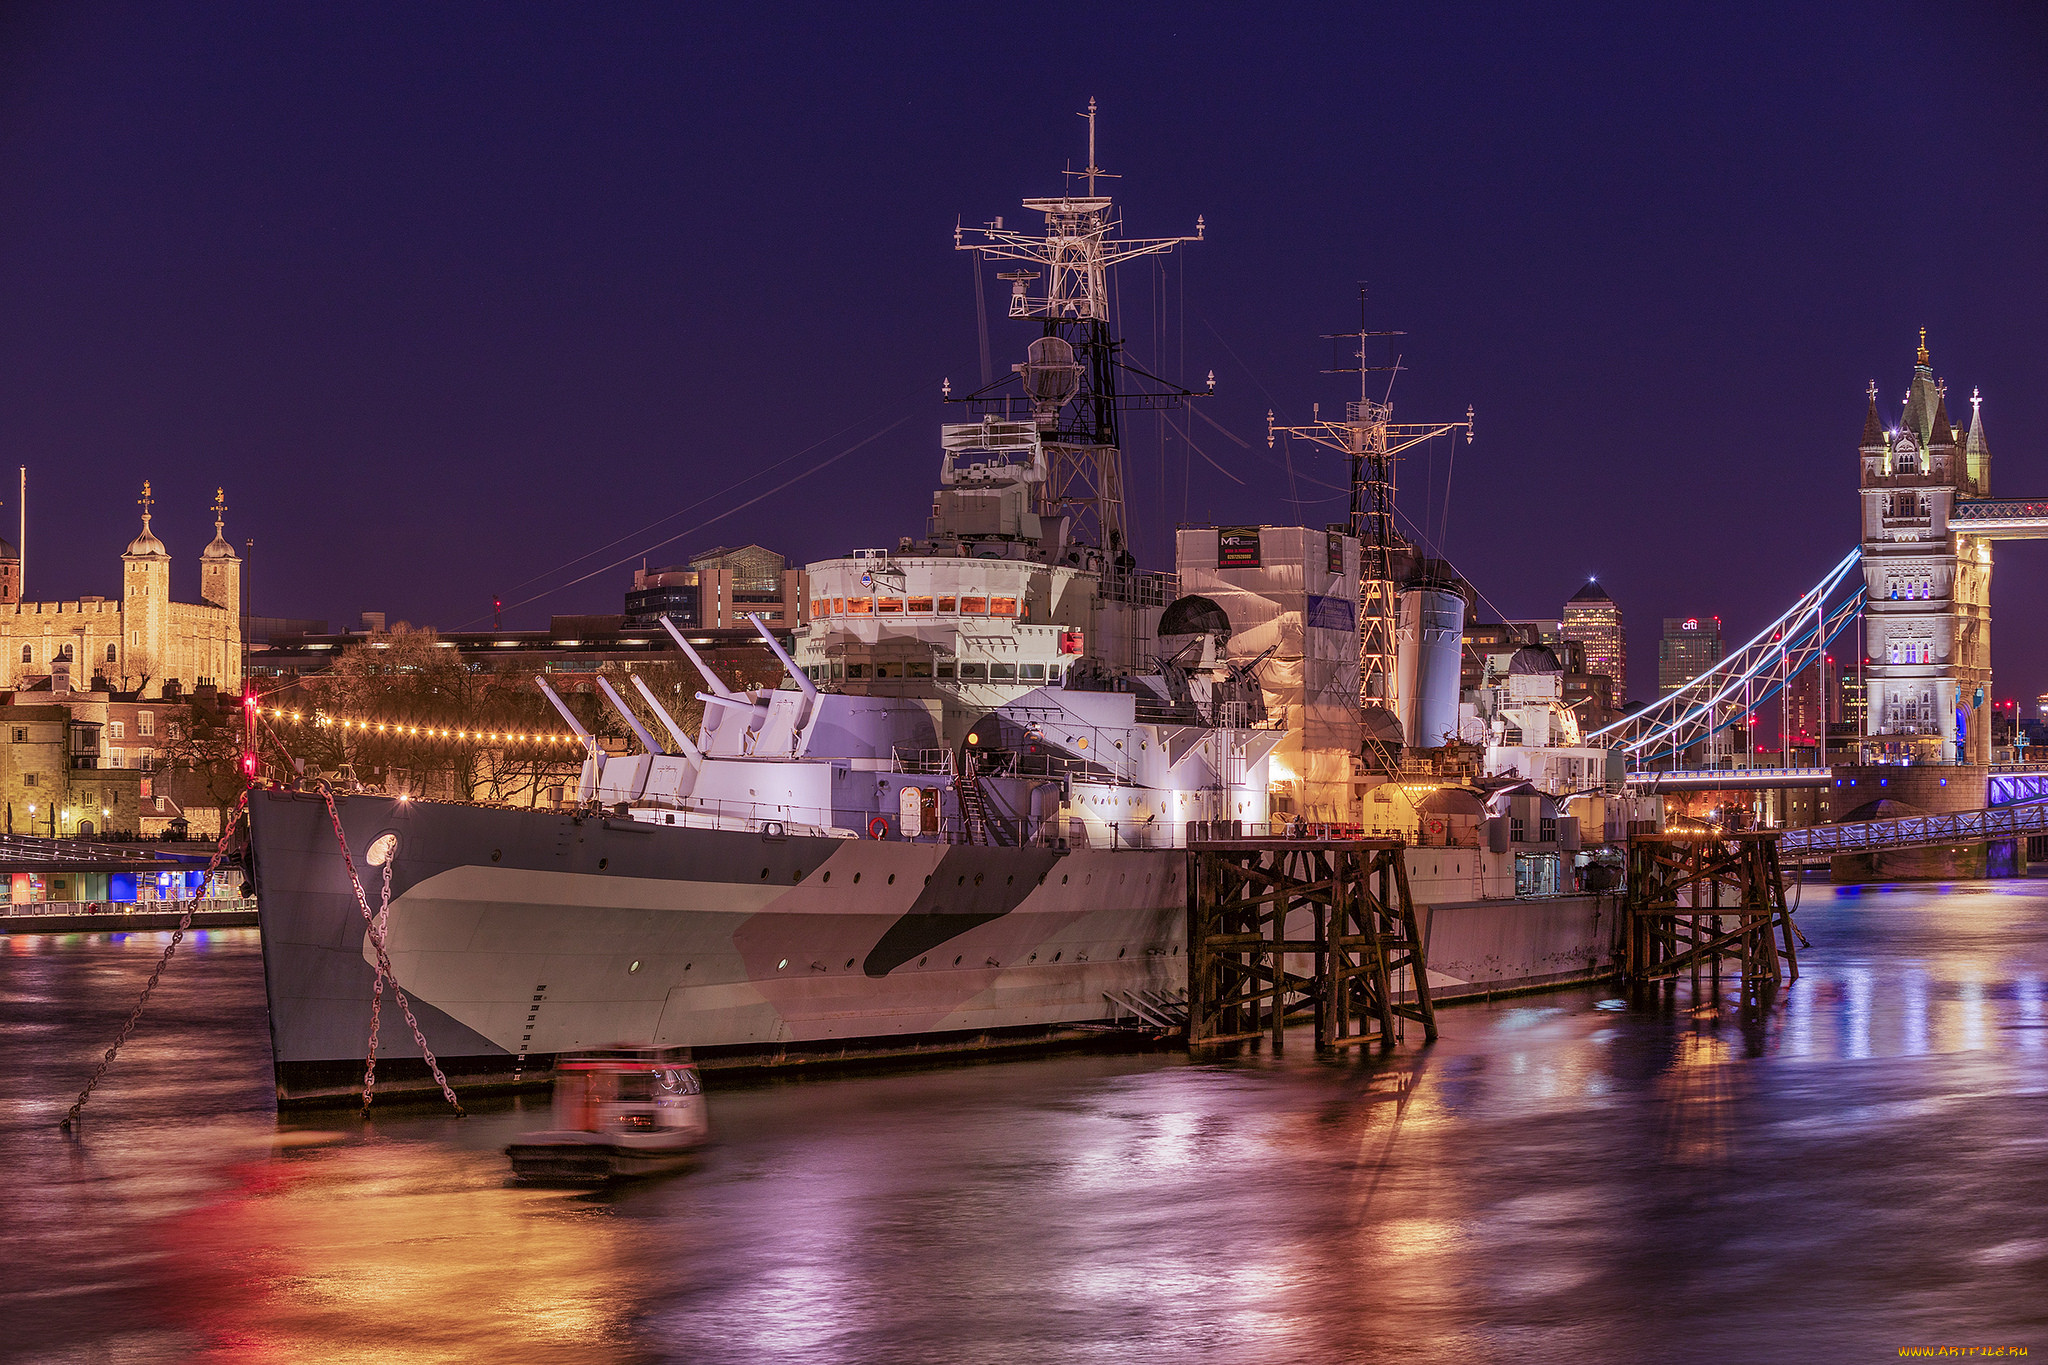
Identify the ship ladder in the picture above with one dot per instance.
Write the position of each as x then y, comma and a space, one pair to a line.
1169, 1013
973, 809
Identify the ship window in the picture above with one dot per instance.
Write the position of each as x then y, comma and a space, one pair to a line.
1052, 672
1032, 672
859, 606
974, 673
920, 604
947, 604
839, 606
838, 671
945, 670
974, 606
818, 605
888, 604
917, 670
856, 670
881, 670
1002, 606
1003, 672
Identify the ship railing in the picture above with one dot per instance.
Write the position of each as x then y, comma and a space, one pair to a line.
924, 761
204, 905
1150, 589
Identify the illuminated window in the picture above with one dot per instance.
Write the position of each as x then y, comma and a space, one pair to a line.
145, 722
858, 606
117, 729
921, 604
947, 604
1002, 606
974, 606
110, 653
888, 604
945, 670
28, 654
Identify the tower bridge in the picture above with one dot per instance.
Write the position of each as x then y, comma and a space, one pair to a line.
1918, 585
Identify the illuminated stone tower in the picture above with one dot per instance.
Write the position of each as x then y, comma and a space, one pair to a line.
145, 655
220, 568
1927, 620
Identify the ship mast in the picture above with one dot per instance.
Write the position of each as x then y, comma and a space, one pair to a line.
1072, 260
1371, 439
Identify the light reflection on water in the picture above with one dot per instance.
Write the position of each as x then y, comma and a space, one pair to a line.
1558, 1179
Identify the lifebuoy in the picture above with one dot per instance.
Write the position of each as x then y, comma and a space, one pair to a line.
878, 828
1436, 827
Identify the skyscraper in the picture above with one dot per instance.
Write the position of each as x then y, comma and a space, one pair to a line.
1691, 645
1594, 621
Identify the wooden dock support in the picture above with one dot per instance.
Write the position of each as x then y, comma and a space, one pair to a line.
1694, 900
1341, 903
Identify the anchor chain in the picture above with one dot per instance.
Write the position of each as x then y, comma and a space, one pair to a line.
177, 936
376, 1000
384, 971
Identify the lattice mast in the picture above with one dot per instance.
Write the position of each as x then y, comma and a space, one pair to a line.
1072, 259
1371, 439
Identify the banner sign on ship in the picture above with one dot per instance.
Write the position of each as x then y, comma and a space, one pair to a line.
1237, 547
1332, 613
1336, 560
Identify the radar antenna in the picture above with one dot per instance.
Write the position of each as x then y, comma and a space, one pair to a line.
1371, 438
1072, 258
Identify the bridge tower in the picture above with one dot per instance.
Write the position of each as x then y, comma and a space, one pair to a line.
1927, 615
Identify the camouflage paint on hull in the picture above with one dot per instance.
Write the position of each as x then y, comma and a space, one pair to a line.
520, 934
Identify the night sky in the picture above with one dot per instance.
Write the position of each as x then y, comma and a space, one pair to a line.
448, 297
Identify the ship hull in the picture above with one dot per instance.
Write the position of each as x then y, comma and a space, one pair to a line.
521, 934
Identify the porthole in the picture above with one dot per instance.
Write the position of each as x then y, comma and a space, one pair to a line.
1032, 958
764, 874
1055, 957
1120, 952
796, 874
603, 863
856, 879
927, 879
687, 966
497, 854
849, 964
977, 879
1063, 879
824, 879
956, 962
892, 879
1010, 880
634, 968
780, 965
963, 879
921, 961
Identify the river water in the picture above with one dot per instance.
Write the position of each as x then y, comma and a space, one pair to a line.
1568, 1177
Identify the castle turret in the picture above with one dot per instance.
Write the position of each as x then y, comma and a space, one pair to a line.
145, 653
220, 568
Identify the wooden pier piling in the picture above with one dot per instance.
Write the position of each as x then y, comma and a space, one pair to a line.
1695, 900
1342, 903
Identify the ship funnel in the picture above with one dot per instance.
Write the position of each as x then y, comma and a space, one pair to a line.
1050, 375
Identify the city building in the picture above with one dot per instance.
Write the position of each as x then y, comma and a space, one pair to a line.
1691, 645
77, 765
718, 590
1594, 621
140, 642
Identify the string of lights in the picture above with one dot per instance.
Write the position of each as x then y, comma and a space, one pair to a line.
390, 729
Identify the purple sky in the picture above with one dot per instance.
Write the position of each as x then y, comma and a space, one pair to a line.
448, 296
